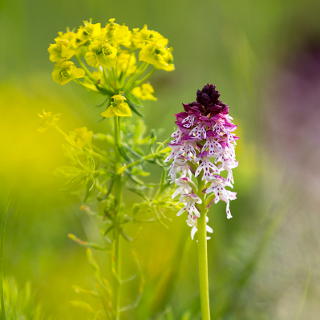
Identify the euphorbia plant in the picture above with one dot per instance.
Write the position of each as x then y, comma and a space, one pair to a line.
113, 61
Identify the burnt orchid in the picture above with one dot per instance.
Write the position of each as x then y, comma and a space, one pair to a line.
202, 159
203, 148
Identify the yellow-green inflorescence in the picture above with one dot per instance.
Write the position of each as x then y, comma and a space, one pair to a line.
113, 60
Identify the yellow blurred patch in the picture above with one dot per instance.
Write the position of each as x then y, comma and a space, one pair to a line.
24, 150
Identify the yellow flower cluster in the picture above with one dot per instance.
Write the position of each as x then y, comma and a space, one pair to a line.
48, 119
118, 107
111, 59
80, 137
144, 92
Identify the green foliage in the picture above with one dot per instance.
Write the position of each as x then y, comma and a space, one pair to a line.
100, 169
93, 168
97, 302
19, 302
169, 315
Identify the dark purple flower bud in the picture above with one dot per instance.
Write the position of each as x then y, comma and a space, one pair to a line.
193, 107
208, 102
208, 96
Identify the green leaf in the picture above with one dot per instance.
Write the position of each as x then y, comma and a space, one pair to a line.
133, 152
134, 107
135, 179
139, 192
86, 244
83, 305
124, 154
139, 172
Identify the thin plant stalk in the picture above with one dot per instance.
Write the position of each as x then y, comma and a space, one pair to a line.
3, 222
117, 271
203, 267
203, 253
3, 226
116, 243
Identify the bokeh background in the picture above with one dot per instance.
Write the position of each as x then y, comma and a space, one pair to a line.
264, 57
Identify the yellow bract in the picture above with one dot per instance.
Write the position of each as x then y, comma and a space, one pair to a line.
64, 48
126, 62
144, 36
100, 53
66, 71
160, 57
118, 35
144, 92
118, 107
88, 32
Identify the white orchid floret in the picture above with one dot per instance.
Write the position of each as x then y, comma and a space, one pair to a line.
185, 151
179, 166
199, 132
218, 188
176, 137
208, 169
192, 222
212, 147
189, 201
188, 121
184, 186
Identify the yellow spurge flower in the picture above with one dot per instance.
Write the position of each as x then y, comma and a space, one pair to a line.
64, 48
158, 56
88, 32
118, 107
118, 34
112, 51
126, 62
81, 137
144, 36
101, 53
48, 119
66, 71
144, 92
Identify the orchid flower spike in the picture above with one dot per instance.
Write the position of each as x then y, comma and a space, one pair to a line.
203, 155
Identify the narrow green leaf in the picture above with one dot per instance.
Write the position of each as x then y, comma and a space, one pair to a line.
134, 107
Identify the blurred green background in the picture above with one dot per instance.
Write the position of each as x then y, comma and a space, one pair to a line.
263, 263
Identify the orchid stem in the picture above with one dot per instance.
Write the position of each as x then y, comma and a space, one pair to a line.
203, 266
203, 251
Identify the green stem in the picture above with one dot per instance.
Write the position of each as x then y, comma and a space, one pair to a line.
118, 184
203, 266
117, 271
131, 80
203, 253
142, 159
87, 71
3, 223
146, 77
92, 79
